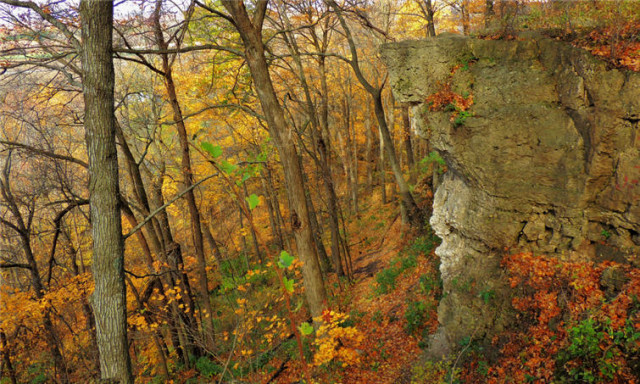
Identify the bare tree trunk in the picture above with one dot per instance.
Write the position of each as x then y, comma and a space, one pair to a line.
466, 18
381, 168
187, 174
109, 298
183, 325
354, 164
275, 227
428, 12
156, 230
408, 147
489, 13
213, 244
324, 96
251, 34
369, 151
276, 207
22, 228
86, 308
6, 359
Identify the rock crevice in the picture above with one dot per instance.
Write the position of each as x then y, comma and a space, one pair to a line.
547, 160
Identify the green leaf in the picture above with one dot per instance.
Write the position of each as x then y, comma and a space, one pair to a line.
288, 284
285, 259
253, 201
214, 151
306, 329
227, 167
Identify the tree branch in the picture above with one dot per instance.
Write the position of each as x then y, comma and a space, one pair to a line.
45, 153
260, 12
203, 47
58, 228
163, 207
15, 265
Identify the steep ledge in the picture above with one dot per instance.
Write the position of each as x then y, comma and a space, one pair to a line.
547, 162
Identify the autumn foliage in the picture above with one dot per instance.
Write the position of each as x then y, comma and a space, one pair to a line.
574, 322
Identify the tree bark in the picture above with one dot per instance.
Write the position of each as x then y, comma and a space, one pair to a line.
489, 13
6, 359
320, 135
109, 298
251, 33
428, 12
408, 147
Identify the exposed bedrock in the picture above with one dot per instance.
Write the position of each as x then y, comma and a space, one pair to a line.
548, 161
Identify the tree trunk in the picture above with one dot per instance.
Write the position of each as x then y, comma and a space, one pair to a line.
408, 147
415, 215
86, 308
109, 297
6, 359
369, 151
428, 12
24, 233
251, 34
183, 324
187, 174
466, 18
381, 168
276, 231
254, 238
489, 13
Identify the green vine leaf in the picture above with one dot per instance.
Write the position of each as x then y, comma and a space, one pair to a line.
253, 201
214, 150
306, 329
288, 284
285, 260
227, 167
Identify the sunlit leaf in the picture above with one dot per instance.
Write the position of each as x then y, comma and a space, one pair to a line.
288, 284
214, 150
253, 201
285, 259
306, 329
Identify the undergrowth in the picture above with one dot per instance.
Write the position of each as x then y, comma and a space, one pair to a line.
408, 258
570, 329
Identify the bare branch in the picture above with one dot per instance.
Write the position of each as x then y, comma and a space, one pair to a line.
163, 207
260, 12
15, 265
203, 47
216, 12
45, 153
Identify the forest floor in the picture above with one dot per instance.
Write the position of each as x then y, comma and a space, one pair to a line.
391, 301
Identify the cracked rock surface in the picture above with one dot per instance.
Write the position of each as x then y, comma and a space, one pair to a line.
547, 162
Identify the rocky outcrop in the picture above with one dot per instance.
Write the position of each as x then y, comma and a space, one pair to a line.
546, 160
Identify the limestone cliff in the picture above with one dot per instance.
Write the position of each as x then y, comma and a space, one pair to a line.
547, 161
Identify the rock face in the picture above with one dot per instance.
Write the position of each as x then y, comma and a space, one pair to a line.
547, 162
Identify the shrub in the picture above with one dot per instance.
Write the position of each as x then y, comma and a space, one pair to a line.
417, 314
208, 368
